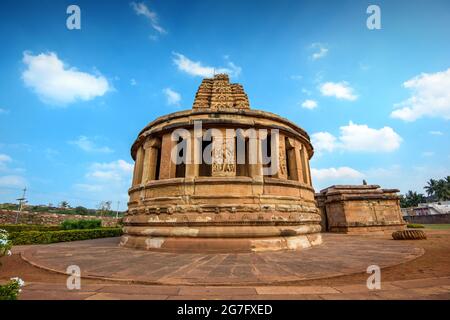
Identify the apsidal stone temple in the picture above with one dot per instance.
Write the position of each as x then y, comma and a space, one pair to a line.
224, 177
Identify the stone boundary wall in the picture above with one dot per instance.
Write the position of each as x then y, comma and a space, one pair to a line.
429, 219
25, 217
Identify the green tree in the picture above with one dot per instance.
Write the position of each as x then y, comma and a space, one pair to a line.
81, 210
411, 199
438, 190
430, 188
64, 204
104, 207
442, 190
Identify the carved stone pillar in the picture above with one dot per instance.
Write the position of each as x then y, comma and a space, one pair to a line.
194, 156
293, 159
150, 159
138, 166
305, 166
308, 168
223, 157
167, 166
279, 154
255, 158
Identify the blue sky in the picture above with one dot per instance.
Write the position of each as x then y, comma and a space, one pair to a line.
375, 102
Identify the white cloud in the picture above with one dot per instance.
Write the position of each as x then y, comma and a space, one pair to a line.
12, 181
395, 176
172, 97
141, 9
323, 141
4, 111
436, 133
88, 187
110, 171
309, 104
321, 51
5, 162
133, 82
196, 68
406, 177
340, 90
430, 97
306, 91
362, 138
86, 144
341, 173
106, 181
354, 137
58, 84
5, 158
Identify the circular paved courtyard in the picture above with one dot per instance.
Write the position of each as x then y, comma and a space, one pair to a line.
338, 255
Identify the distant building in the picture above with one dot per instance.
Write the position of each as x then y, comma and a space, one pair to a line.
427, 209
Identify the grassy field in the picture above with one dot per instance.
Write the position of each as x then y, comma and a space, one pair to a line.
437, 226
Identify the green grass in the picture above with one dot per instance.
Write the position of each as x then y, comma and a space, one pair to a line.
437, 226
415, 226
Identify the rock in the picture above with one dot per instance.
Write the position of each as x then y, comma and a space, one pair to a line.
409, 235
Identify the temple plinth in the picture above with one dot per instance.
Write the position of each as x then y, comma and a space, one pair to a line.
221, 177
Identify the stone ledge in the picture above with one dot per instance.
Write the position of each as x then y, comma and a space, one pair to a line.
220, 245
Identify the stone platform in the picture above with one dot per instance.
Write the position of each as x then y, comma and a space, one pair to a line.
339, 254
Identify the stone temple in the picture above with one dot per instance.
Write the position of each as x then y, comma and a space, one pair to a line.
221, 177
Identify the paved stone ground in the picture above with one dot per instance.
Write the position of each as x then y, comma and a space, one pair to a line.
338, 255
426, 277
434, 288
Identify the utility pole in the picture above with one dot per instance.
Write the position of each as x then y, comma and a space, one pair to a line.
22, 201
117, 212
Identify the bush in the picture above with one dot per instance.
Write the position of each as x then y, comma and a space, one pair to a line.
28, 227
81, 210
44, 237
415, 226
11, 290
71, 224
5, 243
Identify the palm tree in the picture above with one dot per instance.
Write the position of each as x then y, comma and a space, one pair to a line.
412, 199
447, 187
430, 188
442, 191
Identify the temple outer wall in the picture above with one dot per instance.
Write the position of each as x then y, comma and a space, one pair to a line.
428, 219
45, 218
360, 209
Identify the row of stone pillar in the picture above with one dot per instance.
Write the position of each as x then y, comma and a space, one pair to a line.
292, 162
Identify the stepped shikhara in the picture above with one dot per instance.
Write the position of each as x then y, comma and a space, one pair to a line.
218, 93
221, 177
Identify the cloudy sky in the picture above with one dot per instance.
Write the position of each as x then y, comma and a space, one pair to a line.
376, 103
